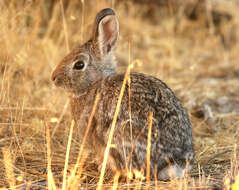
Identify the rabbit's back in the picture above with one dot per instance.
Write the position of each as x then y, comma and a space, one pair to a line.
171, 129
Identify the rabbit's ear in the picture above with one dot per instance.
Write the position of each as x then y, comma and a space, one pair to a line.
106, 31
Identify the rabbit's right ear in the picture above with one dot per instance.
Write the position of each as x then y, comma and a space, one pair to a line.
106, 31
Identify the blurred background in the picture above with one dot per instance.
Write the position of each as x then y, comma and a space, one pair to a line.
192, 45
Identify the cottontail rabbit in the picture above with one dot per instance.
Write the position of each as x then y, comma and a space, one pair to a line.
91, 69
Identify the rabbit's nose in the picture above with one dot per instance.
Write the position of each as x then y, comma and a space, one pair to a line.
54, 76
55, 79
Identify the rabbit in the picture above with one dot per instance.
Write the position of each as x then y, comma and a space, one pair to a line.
91, 69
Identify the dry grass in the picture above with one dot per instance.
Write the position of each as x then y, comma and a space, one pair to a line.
198, 58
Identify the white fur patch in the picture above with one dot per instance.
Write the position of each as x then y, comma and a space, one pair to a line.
172, 172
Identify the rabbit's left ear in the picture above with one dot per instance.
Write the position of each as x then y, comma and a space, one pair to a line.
106, 31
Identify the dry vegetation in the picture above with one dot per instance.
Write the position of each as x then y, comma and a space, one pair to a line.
191, 45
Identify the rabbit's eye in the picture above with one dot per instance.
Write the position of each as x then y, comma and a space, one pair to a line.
79, 65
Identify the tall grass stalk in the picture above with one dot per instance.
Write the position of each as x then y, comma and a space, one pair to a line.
106, 154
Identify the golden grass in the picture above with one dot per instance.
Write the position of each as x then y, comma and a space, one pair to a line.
50, 177
9, 168
64, 185
198, 59
108, 146
150, 120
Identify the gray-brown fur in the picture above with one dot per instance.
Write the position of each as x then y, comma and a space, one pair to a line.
172, 142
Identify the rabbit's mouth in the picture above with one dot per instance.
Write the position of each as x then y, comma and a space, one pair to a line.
58, 82
67, 86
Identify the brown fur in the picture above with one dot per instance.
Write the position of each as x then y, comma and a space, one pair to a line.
172, 141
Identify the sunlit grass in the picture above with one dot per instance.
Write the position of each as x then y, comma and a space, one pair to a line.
198, 60
9, 168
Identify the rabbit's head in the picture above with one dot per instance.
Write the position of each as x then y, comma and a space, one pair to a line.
92, 61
